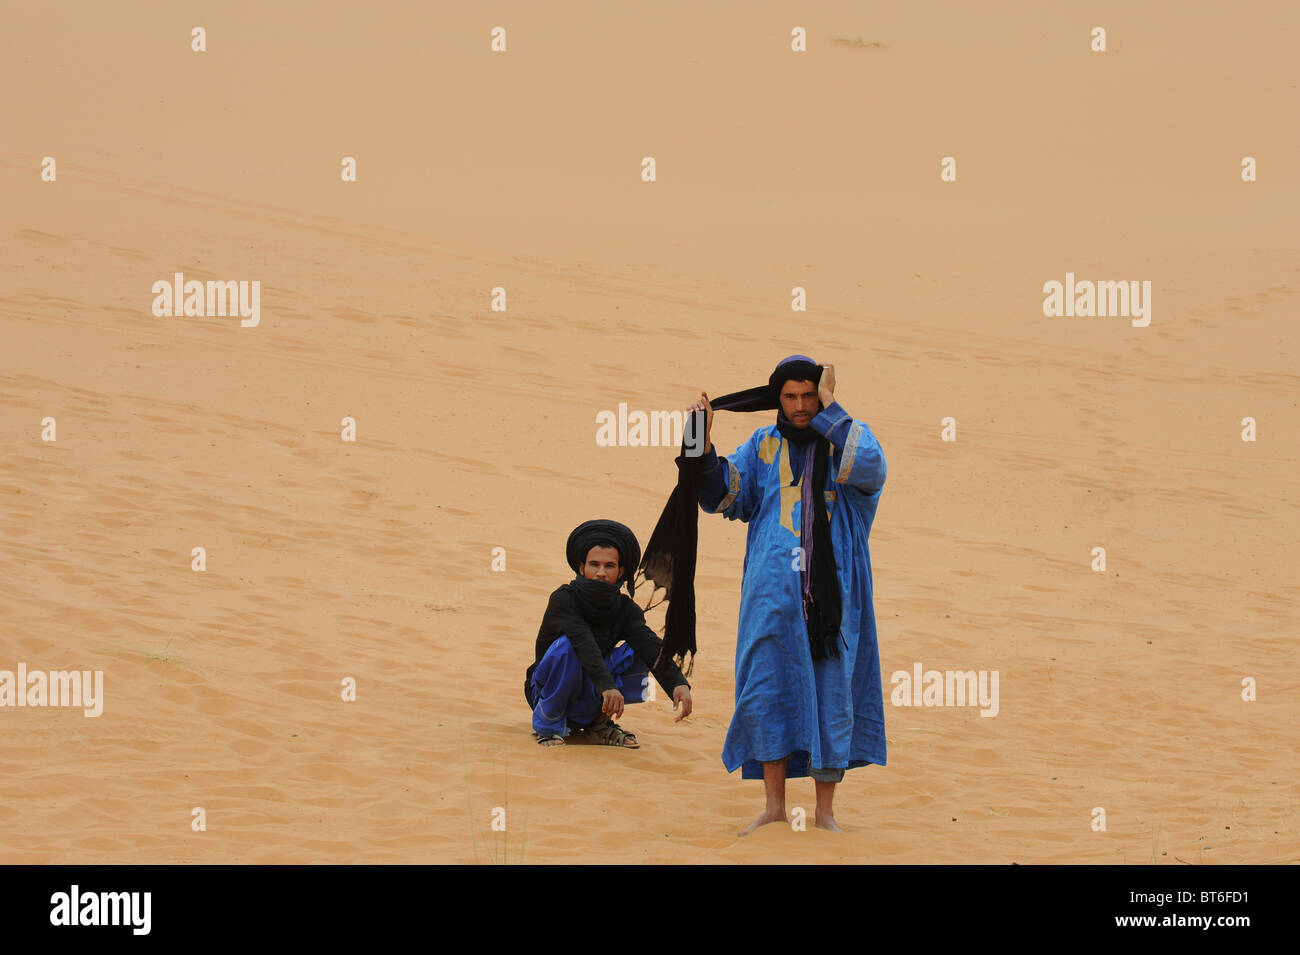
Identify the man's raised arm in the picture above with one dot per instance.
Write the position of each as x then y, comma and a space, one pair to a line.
723, 487
862, 460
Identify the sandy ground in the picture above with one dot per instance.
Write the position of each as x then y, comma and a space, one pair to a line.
475, 429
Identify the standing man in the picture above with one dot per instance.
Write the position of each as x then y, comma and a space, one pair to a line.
809, 699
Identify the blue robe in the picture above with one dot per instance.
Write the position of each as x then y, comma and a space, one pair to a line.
563, 695
827, 714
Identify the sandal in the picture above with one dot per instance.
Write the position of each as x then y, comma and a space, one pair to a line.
610, 733
550, 739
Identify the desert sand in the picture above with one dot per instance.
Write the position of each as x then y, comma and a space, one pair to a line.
475, 429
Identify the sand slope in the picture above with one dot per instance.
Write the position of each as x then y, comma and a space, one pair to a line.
372, 559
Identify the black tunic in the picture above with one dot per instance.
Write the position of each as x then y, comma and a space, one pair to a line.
593, 641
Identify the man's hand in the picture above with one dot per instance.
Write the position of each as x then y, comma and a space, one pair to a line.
612, 704
826, 387
682, 702
703, 405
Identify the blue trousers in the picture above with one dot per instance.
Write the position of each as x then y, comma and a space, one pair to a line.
563, 695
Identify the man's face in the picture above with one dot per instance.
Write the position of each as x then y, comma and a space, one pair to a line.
602, 564
800, 403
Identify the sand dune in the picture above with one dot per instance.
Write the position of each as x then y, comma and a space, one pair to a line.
475, 428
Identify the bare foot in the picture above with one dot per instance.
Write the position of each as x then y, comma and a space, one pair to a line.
766, 816
827, 821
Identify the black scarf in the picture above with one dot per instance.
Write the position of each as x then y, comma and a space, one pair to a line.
598, 602
671, 552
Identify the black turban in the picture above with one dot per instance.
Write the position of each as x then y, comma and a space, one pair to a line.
604, 533
794, 368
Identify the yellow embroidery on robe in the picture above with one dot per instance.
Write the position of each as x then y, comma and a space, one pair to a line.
767, 448
733, 487
789, 495
850, 452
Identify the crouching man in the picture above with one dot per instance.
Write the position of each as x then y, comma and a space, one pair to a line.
594, 651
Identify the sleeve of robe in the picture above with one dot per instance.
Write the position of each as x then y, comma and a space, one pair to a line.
728, 489
862, 461
646, 645
562, 615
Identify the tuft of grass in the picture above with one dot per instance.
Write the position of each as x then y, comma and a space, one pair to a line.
165, 655
1155, 839
469, 800
498, 852
856, 41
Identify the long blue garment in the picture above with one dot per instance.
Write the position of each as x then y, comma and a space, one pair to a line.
827, 714
563, 695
